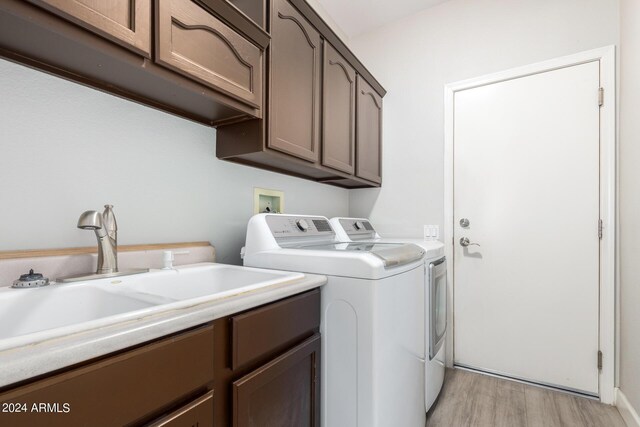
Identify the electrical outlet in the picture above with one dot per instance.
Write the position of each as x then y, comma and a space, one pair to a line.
431, 232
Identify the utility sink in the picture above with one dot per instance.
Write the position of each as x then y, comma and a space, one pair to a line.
27, 311
205, 281
32, 315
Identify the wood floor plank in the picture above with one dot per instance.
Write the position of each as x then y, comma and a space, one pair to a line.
540, 408
480, 408
451, 399
597, 414
469, 399
568, 409
510, 408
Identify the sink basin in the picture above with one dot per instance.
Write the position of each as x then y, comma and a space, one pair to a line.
26, 311
28, 316
205, 281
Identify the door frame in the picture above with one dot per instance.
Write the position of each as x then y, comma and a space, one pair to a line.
608, 154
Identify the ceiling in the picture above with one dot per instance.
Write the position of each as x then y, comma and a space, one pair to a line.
359, 16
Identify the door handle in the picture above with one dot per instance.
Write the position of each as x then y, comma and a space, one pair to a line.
464, 241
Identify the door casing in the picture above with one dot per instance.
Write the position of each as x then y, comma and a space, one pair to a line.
608, 324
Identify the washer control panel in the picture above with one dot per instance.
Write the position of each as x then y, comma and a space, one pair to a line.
358, 229
294, 226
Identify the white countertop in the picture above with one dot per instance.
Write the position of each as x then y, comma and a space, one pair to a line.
27, 361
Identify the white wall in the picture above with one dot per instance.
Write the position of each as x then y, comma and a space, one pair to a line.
320, 10
65, 148
415, 57
630, 201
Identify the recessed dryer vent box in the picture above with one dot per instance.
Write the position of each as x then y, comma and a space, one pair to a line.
265, 200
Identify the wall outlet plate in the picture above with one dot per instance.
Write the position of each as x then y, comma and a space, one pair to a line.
431, 232
268, 201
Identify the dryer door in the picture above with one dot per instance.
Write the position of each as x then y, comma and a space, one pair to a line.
437, 305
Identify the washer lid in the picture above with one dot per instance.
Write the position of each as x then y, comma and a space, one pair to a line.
391, 254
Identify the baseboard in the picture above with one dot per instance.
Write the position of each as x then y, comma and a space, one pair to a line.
629, 414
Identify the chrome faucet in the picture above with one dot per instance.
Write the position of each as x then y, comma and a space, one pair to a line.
106, 229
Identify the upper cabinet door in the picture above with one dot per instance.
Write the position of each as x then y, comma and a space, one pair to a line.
295, 83
369, 133
125, 22
196, 44
338, 112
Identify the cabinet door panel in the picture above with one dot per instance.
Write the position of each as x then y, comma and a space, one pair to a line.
338, 111
196, 44
268, 330
284, 392
198, 413
125, 22
295, 83
369, 133
122, 389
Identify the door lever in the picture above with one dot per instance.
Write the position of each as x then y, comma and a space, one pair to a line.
464, 241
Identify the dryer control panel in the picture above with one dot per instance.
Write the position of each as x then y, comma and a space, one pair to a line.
285, 226
358, 229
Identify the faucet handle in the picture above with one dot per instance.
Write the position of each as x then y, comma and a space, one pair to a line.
109, 221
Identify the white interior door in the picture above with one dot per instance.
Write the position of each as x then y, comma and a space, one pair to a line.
526, 176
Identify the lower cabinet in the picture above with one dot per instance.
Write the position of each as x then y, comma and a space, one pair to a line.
259, 368
284, 392
268, 372
198, 413
130, 388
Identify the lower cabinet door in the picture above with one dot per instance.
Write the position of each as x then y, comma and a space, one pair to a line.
284, 392
120, 390
198, 413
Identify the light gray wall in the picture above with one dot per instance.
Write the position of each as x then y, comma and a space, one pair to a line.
415, 57
629, 192
317, 5
65, 148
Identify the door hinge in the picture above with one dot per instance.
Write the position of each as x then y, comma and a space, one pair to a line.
599, 360
600, 97
600, 228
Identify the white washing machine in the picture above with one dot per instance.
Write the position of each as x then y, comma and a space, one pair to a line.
361, 230
373, 332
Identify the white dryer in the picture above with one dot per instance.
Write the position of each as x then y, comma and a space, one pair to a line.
361, 230
373, 334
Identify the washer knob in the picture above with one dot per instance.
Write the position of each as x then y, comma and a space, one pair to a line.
302, 224
358, 225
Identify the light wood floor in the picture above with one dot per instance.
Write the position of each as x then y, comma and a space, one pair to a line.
475, 400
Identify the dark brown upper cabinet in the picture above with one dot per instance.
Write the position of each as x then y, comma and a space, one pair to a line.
296, 49
310, 124
127, 23
369, 133
195, 43
338, 112
208, 55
